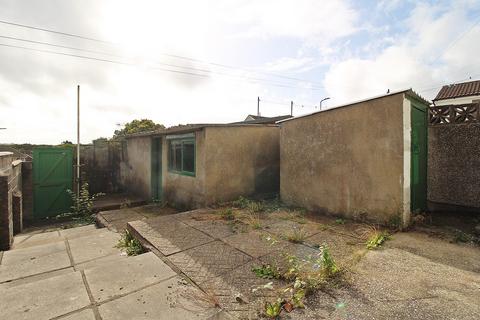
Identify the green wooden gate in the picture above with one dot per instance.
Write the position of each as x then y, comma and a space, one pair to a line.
419, 159
52, 176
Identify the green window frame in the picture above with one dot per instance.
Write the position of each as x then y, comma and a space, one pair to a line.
181, 156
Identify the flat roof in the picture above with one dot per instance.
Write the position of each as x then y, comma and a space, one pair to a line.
194, 127
409, 92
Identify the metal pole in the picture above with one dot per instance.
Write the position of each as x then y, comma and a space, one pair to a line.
322, 101
78, 140
258, 106
291, 108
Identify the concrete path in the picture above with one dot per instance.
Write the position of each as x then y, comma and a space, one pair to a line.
412, 277
79, 274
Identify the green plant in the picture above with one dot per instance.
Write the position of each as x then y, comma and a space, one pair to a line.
227, 214
255, 206
377, 239
297, 235
340, 221
241, 202
460, 236
272, 310
130, 244
83, 203
267, 271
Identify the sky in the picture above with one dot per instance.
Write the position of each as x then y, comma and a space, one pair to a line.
179, 62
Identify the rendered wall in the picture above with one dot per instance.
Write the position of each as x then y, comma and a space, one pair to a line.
241, 161
454, 164
185, 191
135, 167
346, 161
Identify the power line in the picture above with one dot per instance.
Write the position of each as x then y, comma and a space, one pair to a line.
252, 80
160, 63
455, 41
164, 54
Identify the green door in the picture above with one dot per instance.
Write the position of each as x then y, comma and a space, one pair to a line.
419, 159
156, 179
52, 176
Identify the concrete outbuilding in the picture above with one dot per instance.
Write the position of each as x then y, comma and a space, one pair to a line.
198, 165
366, 159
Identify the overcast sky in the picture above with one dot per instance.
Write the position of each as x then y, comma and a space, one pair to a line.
280, 50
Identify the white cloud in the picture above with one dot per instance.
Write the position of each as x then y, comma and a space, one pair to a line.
411, 60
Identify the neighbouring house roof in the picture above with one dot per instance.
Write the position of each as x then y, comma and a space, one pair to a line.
263, 120
253, 117
456, 90
408, 92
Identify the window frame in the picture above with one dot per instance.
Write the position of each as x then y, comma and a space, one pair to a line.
170, 161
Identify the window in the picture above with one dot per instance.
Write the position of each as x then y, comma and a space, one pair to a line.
181, 156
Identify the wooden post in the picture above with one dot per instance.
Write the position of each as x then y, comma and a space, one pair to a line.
258, 106
291, 108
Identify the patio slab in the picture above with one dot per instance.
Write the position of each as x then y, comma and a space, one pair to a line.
169, 235
129, 275
44, 299
169, 300
255, 243
86, 314
208, 261
94, 246
36, 239
285, 228
33, 260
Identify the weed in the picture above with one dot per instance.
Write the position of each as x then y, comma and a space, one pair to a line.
131, 245
395, 222
272, 310
461, 236
241, 202
82, 207
253, 219
255, 206
227, 214
374, 237
340, 221
298, 235
266, 271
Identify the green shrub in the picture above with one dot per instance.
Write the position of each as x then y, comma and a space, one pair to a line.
130, 244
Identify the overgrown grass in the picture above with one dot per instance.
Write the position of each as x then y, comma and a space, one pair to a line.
227, 214
267, 271
297, 235
304, 276
374, 238
130, 244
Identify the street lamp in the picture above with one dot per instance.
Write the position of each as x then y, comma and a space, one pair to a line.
322, 101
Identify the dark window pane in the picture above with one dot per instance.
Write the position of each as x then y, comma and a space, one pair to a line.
171, 155
188, 157
178, 157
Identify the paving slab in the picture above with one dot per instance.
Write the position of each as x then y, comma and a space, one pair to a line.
344, 249
169, 300
77, 232
36, 277
121, 214
20, 242
209, 260
169, 235
255, 243
122, 277
210, 224
286, 228
33, 260
44, 299
154, 210
85, 314
99, 244
242, 282
102, 261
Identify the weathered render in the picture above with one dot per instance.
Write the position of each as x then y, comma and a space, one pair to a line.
230, 161
352, 161
135, 168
